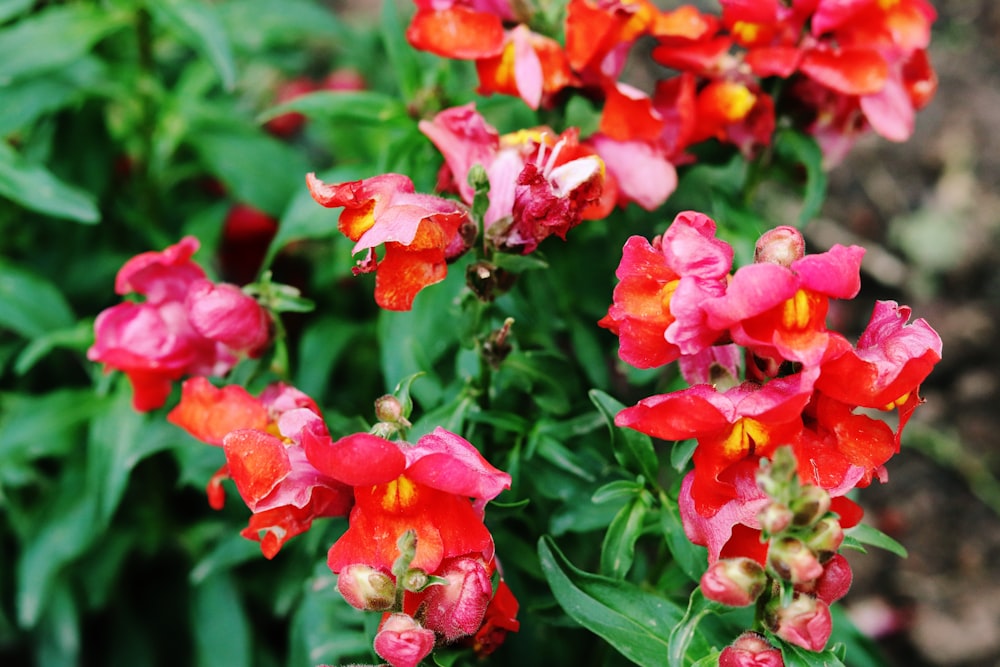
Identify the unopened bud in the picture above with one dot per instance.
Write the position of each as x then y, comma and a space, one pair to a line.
366, 588
775, 476
792, 560
825, 537
835, 581
403, 642
805, 622
811, 505
415, 580
388, 409
781, 245
456, 608
751, 649
775, 518
736, 582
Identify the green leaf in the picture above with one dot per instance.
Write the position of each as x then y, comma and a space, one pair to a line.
37, 189
27, 99
325, 629
197, 23
77, 338
364, 107
54, 38
11, 8
691, 558
32, 427
256, 168
258, 24
633, 450
119, 439
30, 305
618, 547
874, 537
636, 623
541, 375
681, 453
800, 148
685, 641
403, 59
796, 656
66, 527
219, 624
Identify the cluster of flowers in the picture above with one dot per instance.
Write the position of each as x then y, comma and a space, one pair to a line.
845, 67
852, 65
416, 547
802, 387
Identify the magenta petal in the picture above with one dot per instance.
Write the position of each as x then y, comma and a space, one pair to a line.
713, 532
754, 289
360, 459
835, 273
448, 462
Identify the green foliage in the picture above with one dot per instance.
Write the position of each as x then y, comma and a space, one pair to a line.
146, 121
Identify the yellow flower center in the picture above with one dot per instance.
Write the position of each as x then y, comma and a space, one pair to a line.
745, 31
898, 402
799, 311
399, 495
744, 439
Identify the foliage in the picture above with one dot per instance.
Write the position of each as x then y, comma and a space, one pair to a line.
129, 125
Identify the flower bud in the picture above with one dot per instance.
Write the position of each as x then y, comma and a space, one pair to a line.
751, 650
388, 409
811, 505
366, 588
776, 476
826, 537
456, 609
805, 622
403, 642
775, 518
781, 245
415, 580
736, 582
792, 560
223, 313
835, 581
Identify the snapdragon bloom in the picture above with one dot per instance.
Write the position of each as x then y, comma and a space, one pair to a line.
187, 325
420, 232
540, 183
657, 304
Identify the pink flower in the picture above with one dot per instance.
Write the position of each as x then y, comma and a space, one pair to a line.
402, 641
226, 314
186, 326
779, 311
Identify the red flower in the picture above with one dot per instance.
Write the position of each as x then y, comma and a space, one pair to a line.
657, 304
499, 619
417, 231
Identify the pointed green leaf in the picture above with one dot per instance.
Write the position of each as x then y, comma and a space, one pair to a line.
219, 624
348, 106
35, 188
54, 37
633, 450
635, 622
867, 534
799, 148
618, 547
198, 24
30, 305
